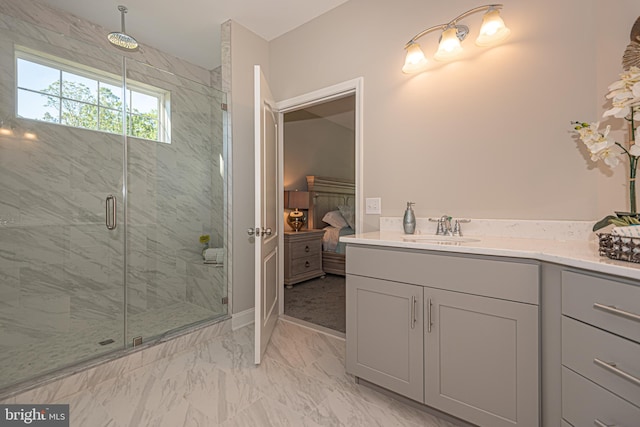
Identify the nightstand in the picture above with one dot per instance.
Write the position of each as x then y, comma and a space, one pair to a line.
302, 256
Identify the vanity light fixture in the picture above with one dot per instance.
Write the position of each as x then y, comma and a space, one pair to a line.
492, 31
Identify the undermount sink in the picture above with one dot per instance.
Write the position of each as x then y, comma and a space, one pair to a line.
441, 240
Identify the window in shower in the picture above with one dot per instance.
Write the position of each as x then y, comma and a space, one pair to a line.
58, 91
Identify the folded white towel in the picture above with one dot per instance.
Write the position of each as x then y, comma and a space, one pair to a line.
214, 255
628, 231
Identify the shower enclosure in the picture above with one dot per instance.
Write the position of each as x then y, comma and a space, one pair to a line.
111, 170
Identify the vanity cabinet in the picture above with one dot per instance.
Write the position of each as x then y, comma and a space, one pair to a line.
481, 358
387, 348
600, 350
457, 333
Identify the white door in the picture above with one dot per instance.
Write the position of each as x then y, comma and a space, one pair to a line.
266, 230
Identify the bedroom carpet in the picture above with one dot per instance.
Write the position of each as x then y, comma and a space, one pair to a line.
318, 301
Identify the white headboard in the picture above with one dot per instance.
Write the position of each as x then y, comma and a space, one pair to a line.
325, 195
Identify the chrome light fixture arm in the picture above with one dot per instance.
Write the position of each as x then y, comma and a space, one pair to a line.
441, 27
454, 23
474, 10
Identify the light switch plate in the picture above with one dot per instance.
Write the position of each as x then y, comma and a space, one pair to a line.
373, 206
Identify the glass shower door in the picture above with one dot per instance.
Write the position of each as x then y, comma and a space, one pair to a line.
176, 203
61, 243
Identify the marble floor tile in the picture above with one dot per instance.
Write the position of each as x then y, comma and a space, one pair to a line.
301, 383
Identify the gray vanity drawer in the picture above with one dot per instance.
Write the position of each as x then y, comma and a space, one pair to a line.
513, 281
583, 402
582, 345
581, 293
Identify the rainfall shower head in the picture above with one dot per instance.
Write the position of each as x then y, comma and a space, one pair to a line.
121, 39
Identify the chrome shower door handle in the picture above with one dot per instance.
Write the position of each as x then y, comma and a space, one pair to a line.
110, 212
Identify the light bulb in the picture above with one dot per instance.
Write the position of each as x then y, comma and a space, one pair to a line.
415, 60
449, 46
493, 29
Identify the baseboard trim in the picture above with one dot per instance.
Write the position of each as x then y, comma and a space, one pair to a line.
242, 319
314, 327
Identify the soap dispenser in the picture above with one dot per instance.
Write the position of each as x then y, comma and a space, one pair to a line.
409, 220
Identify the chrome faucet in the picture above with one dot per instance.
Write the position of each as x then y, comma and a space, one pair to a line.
444, 227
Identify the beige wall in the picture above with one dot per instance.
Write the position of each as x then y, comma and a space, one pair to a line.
487, 137
247, 49
317, 147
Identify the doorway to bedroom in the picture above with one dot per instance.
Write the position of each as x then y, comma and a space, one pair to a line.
319, 176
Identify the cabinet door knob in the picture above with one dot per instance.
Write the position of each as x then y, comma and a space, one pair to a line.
306, 264
307, 248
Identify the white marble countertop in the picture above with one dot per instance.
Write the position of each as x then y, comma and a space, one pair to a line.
574, 253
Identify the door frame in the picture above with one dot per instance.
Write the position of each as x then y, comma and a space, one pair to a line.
350, 87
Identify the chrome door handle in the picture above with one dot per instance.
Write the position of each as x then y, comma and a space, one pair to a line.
616, 311
611, 367
266, 232
429, 322
110, 212
413, 312
254, 231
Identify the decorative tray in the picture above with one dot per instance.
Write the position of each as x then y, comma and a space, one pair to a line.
619, 247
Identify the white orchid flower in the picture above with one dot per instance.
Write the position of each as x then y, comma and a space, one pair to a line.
589, 134
619, 111
611, 161
603, 144
634, 150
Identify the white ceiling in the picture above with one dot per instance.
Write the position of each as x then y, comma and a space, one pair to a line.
190, 29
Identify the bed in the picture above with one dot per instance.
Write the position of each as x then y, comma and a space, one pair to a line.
325, 195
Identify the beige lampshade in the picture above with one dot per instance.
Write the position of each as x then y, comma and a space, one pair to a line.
296, 199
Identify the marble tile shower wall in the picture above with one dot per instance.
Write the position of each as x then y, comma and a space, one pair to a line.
61, 270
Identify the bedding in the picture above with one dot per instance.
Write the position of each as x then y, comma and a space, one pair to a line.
349, 215
335, 219
331, 237
331, 203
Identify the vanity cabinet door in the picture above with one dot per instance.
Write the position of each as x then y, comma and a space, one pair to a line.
481, 358
385, 335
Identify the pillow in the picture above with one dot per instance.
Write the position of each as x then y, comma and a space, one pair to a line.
349, 215
335, 219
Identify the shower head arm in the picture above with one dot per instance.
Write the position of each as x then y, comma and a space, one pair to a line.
122, 10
